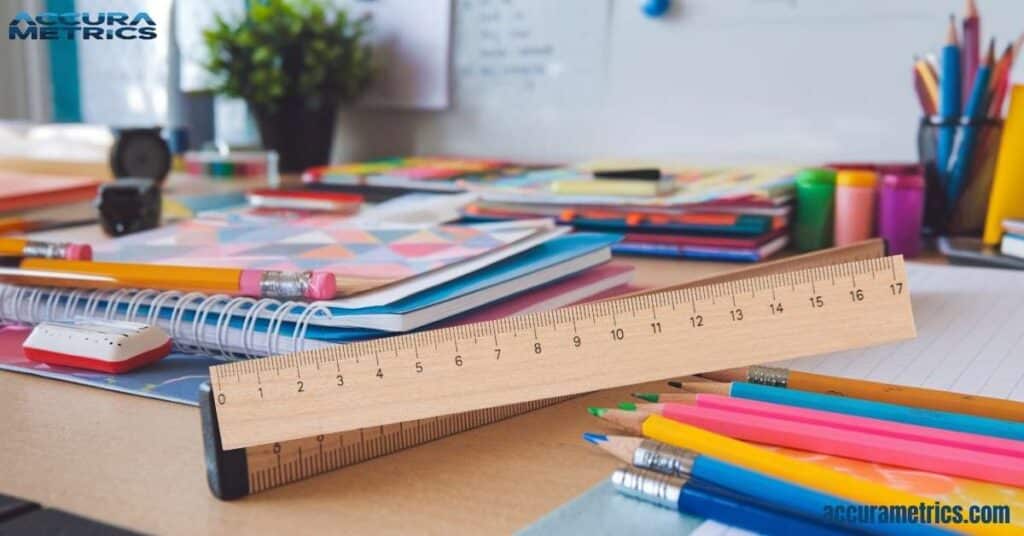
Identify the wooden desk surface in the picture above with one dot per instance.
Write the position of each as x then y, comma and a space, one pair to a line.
138, 463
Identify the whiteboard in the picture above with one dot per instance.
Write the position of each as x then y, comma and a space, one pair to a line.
123, 83
712, 81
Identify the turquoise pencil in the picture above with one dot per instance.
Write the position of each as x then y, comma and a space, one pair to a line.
949, 99
864, 408
977, 106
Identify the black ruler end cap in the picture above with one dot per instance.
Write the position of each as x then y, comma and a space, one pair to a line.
227, 471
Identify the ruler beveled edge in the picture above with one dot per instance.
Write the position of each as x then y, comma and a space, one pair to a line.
227, 471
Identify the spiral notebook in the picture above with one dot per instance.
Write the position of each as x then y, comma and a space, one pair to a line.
244, 327
176, 378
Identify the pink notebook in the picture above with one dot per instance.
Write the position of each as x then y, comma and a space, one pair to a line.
19, 191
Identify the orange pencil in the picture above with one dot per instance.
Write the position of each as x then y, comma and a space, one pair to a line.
879, 392
244, 282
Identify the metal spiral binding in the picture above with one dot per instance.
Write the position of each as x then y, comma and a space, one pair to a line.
170, 310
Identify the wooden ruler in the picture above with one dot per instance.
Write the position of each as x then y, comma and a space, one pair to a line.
562, 352
236, 472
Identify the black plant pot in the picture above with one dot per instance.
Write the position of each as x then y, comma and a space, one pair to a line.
301, 131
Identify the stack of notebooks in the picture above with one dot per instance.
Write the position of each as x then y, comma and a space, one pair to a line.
391, 279
1013, 238
717, 214
421, 173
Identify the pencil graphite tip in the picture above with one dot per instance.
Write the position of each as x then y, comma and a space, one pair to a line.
951, 37
593, 438
627, 406
677, 385
597, 412
650, 397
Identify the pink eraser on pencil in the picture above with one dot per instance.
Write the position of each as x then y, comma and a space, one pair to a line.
78, 252
322, 286
109, 346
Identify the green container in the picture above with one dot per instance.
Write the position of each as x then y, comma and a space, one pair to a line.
815, 209
222, 168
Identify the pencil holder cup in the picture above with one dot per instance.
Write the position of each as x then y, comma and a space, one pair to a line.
963, 213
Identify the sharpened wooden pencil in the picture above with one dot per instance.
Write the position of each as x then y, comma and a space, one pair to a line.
917, 397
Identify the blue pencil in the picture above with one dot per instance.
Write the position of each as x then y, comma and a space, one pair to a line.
976, 109
949, 99
873, 410
799, 500
694, 497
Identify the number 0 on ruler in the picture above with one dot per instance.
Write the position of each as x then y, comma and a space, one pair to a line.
562, 352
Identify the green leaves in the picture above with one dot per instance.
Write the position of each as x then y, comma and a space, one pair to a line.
287, 49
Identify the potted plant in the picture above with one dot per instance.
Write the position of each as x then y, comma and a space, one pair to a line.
294, 62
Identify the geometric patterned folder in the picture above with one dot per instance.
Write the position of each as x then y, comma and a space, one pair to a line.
362, 258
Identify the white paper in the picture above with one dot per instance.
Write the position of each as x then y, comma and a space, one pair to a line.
970, 336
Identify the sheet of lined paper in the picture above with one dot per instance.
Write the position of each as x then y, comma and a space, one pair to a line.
970, 324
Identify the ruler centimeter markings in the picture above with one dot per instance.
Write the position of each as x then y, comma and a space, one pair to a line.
564, 352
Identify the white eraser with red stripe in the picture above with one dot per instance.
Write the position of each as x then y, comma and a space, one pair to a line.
108, 346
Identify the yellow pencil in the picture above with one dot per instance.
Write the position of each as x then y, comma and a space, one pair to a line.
770, 463
257, 283
23, 247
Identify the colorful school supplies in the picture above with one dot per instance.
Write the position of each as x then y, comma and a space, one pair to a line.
917, 397
815, 201
695, 497
781, 494
855, 206
425, 173
1008, 183
682, 203
923, 434
864, 408
312, 285
755, 458
829, 433
23, 247
232, 164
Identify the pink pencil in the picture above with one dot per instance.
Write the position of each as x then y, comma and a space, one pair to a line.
850, 444
970, 51
925, 434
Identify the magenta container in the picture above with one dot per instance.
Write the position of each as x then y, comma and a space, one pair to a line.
901, 209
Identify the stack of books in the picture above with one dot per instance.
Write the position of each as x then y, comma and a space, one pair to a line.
1013, 238
734, 214
420, 173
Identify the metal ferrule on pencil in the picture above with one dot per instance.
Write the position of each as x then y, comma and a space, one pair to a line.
664, 459
773, 376
284, 285
662, 490
45, 250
